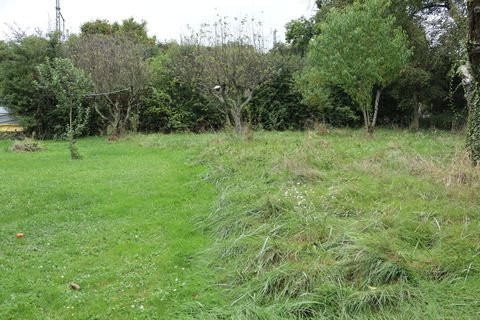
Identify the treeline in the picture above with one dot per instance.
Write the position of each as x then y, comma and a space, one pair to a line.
223, 75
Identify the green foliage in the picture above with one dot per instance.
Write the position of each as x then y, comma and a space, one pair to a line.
97, 27
118, 68
227, 63
69, 85
177, 92
473, 126
129, 27
277, 104
472, 82
345, 54
298, 34
18, 92
172, 104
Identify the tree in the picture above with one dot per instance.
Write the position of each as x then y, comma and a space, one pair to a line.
414, 87
68, 85
472, 80
467, 12
172, 104
470, 70
298, 34
118, 69
359, 49
98, 26
226, 64
137, 31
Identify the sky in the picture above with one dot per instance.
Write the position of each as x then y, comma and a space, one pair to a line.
166, 19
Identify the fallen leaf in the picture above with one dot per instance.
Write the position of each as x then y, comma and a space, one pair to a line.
74, 286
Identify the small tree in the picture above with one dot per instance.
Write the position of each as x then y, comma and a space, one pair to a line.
226, 64
359, 49
68, 84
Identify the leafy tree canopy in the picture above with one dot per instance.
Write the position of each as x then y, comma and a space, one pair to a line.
358, 48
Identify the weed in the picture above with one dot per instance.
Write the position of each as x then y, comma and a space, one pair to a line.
26, 145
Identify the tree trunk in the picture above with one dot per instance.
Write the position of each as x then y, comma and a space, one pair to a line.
471, 85
417, 112
370, 123
236, 108
366, 119
474, 38
375, 110
236, 113
473, 129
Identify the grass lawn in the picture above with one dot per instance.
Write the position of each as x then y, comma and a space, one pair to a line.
290, 225
121, 223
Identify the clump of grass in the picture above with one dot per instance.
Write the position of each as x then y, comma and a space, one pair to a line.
231, 227
289, 281
299, 168
27, 145
269, 256
270, 208
453, 263
423, 234
304, 309
457, 172
372, 268
379, 298
321, 128
233, 251
461, 172
308, 162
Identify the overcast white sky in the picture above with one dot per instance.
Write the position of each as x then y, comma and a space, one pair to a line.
167, 19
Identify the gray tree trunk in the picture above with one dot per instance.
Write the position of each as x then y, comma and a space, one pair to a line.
375, 108
237, 120
366, 120
417, 112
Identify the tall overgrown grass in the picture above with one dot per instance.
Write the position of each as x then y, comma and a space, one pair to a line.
337, 225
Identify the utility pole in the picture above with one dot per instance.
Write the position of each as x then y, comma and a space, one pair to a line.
59, 21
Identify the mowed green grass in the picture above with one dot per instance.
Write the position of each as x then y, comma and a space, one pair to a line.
288, 225
122, 223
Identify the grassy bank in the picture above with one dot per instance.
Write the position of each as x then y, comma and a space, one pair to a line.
316, 225
340, 225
